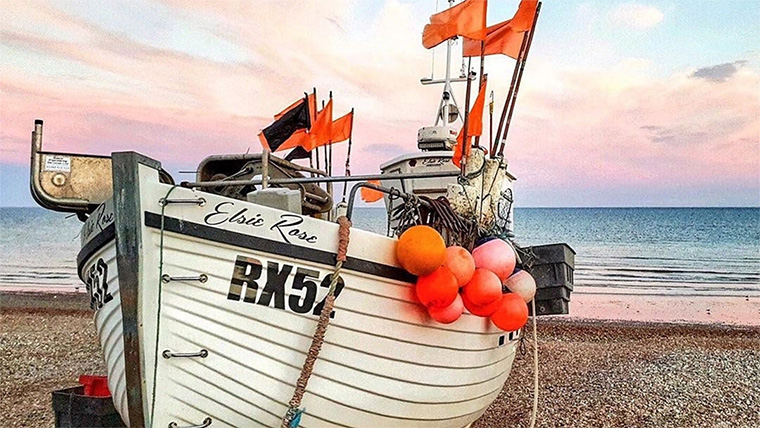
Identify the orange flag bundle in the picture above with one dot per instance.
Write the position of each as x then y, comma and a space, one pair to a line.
474, 126
467, 19
371, 195
505, 38
341, 128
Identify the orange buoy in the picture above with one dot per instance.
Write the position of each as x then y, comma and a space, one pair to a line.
483, 289
438, 289
512, 313
420, 250
522, 284
450, 313
461, 264
496, 255
481, 311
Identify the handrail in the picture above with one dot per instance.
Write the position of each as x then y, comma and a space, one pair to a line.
337, 179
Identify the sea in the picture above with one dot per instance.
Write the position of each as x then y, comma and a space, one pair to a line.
639, 251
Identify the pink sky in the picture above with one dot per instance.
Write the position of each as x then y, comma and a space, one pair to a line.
179, 80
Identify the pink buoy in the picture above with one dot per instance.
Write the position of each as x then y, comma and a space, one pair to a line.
522, 284
483, 289
460, 263
497, 256
449, 314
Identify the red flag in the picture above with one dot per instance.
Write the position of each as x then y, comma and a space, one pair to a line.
371, 195
474, 126
506, 37
341, 128
467, 19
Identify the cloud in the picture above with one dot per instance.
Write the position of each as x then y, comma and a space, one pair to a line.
720, 72
636, 16
585, 135
579, 131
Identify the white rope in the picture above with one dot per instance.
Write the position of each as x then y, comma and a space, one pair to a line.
535, 368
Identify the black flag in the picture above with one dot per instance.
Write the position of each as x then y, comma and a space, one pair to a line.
281, 129
298, 153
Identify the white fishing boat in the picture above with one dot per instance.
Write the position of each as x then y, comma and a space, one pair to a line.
207, 295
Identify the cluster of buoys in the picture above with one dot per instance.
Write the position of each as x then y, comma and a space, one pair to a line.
450, 280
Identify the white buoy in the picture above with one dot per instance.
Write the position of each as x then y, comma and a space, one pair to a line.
522, 284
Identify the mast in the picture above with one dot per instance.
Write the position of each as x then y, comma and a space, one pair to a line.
447, 85
524, 59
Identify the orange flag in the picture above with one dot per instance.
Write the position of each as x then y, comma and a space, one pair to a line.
505, 38
371, 195
467, 19
501, 40
321, 129
299, 138
341, 128
526, 13
474, 126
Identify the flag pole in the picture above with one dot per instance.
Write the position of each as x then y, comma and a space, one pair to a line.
503, 141
509, 93
348, 155
328, 163
490, 126
328, 150
447, 84
482, 76
465, 143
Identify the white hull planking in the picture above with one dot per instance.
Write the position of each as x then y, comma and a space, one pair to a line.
109, 327
384, 363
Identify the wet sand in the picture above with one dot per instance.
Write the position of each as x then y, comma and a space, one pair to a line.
592, 373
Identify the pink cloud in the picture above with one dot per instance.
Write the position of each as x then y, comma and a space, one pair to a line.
593, 130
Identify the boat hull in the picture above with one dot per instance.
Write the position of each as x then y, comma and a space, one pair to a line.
244, 283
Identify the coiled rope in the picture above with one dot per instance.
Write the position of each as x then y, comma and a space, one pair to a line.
293, 415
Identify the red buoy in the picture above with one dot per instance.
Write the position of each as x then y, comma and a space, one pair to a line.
484, 288
512, 313
438, 289
481, 311
450, 313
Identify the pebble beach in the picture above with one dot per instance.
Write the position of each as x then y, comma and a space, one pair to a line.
592, 373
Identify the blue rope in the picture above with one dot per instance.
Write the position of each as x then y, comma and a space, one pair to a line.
297, 417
